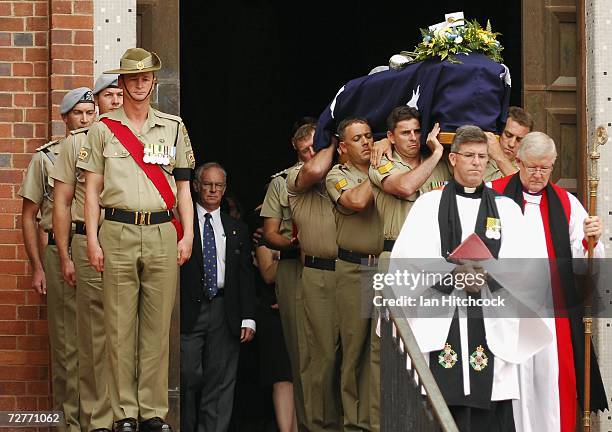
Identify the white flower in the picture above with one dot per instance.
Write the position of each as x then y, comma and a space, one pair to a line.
458, 39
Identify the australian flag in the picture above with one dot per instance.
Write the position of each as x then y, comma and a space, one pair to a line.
475, 91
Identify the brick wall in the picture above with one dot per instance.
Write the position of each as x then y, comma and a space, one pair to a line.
46, 48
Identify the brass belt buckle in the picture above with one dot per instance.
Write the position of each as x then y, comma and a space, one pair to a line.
142, 218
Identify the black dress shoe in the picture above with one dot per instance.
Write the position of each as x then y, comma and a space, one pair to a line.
154, 424
126, 425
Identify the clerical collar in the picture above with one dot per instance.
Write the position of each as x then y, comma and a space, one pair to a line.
533, 193
468, 192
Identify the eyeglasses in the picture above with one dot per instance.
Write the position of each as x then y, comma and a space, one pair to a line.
541, 170
209, 185
477, 156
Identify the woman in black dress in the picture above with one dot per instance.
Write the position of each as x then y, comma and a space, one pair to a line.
275, 369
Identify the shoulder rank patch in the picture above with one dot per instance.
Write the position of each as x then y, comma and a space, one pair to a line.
185, 135
282, 173
168, 116
84, 154
341, 184
49, 144
384, 169
81, 130
190, 157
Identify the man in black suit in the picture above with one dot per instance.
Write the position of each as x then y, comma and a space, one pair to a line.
217, 307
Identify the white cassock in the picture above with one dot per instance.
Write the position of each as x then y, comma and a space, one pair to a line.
538, 408
512, 340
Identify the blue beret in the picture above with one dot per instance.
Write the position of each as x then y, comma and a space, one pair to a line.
105, 81
76, 96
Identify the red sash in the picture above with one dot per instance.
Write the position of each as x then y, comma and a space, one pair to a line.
154, 172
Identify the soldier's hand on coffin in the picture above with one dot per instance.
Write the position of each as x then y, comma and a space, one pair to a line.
592, 228
380, 148
432, 139
333, 142
495, 150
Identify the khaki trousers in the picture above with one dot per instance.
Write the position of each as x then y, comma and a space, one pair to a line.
374, 376
61, 318
383, 267
354, 300
96, 409
139, 280
291, 313
320, 378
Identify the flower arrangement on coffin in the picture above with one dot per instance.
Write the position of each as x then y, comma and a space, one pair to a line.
457, 36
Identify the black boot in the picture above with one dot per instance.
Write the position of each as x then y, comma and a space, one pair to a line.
126, 425
154, 424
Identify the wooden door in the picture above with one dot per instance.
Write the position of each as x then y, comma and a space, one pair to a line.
553, 71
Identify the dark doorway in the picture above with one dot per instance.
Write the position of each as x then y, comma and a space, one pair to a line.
249, 68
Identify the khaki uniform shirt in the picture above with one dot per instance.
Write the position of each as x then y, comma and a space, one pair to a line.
65, 170
492, 171
357, 231
37, 186
312, 213
391, 209
276, 203
126, 186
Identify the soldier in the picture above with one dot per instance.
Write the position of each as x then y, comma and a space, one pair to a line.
107, 93
69, 201
398, 181
279, 233
77, 110
502, 151
311, 210
138, 163
359, 239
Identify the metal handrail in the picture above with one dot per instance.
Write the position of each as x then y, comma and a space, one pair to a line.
418, 373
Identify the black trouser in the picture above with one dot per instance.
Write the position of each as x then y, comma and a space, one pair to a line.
498, 418
209, 361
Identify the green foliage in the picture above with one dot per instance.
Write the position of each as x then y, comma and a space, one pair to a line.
447, 41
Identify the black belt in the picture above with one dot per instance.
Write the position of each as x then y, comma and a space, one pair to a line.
289, 254
357, 257
80, 228
138, 217
388, 245
50, 238
320, 263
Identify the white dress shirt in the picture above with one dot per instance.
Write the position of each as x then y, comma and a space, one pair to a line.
220, 239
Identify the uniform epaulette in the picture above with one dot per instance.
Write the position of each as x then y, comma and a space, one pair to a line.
168, 116
49, 144
283, 173
81, 130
